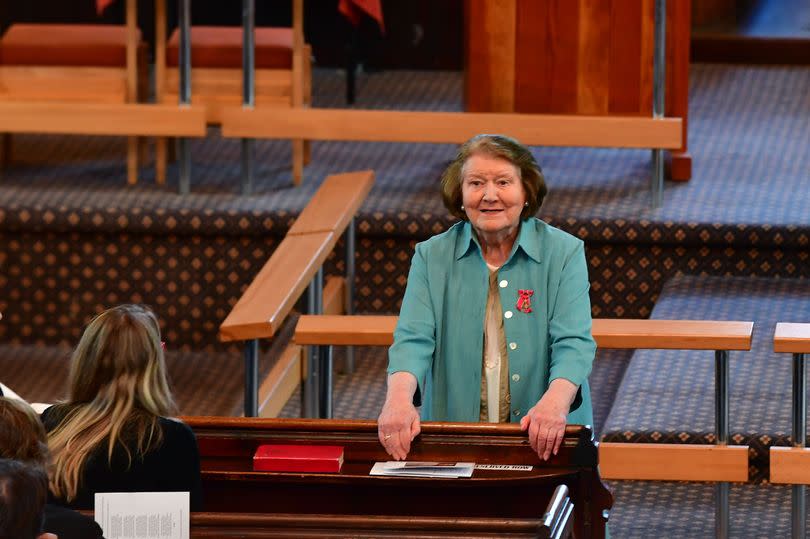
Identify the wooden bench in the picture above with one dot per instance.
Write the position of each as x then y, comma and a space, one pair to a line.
230, 485
294, 265
617, 460
74, 63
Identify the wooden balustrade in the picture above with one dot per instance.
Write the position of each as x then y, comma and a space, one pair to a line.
293, 266
452, 127
618, 461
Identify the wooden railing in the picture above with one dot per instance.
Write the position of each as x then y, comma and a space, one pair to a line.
452, 127
663, 462
791, 465
102, 119
294, 266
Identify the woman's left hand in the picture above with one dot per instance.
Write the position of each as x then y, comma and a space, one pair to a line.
545, 421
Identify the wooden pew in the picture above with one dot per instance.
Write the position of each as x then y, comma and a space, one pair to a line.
666, 462
229, 484
269, 299
294, 526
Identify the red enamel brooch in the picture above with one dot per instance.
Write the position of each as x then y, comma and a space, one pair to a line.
524, 303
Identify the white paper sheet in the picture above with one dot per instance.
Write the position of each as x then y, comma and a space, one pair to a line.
143, 515
423, 469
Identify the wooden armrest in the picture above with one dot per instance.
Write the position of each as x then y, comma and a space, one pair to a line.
792, 338
672, 334
345, 330
673, 462
790, 465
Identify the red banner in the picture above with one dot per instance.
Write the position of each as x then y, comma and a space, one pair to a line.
353, 10
101, 5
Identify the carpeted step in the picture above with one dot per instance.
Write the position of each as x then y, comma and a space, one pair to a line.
210, 382
667, 396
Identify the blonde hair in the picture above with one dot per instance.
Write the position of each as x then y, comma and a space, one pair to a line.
118, 391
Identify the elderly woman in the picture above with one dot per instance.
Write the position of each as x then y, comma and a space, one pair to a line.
495, 324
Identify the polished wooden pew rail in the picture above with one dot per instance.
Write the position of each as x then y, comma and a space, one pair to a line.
675, 462
227, 445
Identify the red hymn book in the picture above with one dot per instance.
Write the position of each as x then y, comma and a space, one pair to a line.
298, 458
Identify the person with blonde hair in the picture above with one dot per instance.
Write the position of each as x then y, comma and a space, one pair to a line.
113, 433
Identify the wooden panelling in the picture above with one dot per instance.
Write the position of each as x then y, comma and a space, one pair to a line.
334, 295
585, 57
673, 462
792, 338
624, 91
63, 84
451, 127
593, 57
491, 53
645, 59
532, 71
790, 465
282, 381
99, 119
608, 333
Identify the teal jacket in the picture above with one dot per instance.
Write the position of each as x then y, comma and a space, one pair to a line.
439, 336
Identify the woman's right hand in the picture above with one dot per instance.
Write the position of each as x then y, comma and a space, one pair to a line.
397, 426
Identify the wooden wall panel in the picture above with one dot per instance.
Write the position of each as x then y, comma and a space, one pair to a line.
491, 31
564, 37
624, 47
645, 59
593, 74
533, 71
576, 57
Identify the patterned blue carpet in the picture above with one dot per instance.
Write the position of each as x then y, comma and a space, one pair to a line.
749, 132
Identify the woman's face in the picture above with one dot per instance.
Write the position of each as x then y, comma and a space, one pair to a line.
492, 194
